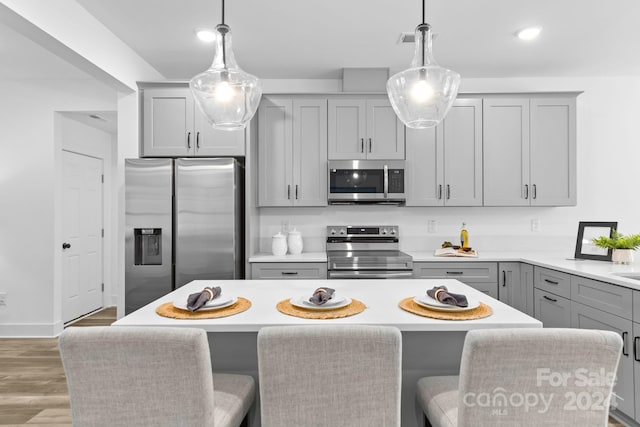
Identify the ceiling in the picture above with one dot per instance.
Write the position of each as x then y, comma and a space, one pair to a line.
316, 39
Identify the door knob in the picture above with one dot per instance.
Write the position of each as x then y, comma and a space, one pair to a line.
66, 245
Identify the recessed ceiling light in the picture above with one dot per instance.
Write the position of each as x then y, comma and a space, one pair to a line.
529, 33
205, 34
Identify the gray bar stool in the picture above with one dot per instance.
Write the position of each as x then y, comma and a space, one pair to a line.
526, 378
149, 376
330, 376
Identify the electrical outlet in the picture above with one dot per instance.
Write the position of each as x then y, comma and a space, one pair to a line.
431, 226
3, 299
535, 225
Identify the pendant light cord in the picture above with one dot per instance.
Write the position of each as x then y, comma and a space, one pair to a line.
423, 11
223, 13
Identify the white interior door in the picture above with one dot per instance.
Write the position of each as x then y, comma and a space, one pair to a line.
82, 261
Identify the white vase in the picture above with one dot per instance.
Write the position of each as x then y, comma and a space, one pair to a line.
279, 244
294, 241
622, 256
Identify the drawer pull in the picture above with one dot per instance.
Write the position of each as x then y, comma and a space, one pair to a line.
289, 273
624, 343
551, 281
455, 272
635, 348
550, 299
504, 278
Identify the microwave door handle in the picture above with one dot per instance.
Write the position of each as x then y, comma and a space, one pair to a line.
386, 181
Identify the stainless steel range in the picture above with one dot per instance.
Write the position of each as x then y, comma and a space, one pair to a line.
366, 252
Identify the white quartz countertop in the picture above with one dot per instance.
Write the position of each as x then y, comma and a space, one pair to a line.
380, 296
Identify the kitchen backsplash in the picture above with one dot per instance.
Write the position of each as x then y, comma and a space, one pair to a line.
490, 229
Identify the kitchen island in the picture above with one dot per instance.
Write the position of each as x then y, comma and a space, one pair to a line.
429, 346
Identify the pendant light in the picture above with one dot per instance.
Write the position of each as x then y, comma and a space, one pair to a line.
227, 95
422, 95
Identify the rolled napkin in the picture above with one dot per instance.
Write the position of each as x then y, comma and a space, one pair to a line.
441, 293
199, 299
321, 295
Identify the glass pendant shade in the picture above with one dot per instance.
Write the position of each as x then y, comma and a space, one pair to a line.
422, 95
227, 95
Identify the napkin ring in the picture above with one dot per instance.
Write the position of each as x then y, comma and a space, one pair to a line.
209, 292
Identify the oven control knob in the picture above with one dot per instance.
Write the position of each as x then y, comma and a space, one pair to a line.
393, 231
332, 232
343, 231
384, 231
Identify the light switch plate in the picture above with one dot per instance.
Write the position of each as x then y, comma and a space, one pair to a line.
431, 226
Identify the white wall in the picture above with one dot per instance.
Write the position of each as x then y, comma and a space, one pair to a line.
29, 154
608, 146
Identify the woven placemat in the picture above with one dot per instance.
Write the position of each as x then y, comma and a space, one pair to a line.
168, 310
408, 304
355, 307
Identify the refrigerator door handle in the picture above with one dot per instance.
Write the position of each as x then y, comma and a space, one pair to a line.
197, 141
188, 140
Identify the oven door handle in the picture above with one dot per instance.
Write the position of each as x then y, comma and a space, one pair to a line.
370, 275
386, 181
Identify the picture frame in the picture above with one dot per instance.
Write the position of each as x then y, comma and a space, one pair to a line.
589, 230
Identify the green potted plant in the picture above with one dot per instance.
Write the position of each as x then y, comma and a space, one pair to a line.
623, 246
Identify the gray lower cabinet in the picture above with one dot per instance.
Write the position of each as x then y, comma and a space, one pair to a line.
292, 151
288, 270
173, 126
515, 285
479, 275
636, 370
552, 310
585, 317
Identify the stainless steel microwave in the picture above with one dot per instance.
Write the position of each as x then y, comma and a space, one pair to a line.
366, 181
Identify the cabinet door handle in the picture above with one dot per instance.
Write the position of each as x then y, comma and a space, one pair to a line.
289, 273
289, 192
551, 281
188, 140
296, 191
362, 145
448, 192
550, 299
370, 144
197, 140
635, 348
624, 344
439, 191
455, 272
535, 191
504, 278
526, 191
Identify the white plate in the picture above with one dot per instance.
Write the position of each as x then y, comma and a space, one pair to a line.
428, 302
215, 304
333, 303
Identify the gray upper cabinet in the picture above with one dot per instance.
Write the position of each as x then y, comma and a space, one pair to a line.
364, 128
444, 164
529, 151
553, 151
292, 151
173, 126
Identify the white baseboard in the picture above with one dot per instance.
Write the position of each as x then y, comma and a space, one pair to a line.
30, 330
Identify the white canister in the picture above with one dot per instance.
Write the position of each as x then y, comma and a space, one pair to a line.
294, 240
279, 244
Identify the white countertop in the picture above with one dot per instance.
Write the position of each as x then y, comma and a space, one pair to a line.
598, 270
380, 296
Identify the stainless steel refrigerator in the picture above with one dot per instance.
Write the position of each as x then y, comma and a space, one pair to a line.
184, 221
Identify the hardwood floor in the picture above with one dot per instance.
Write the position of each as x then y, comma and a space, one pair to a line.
33, 388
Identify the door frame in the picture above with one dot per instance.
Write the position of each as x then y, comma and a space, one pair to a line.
80, 138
